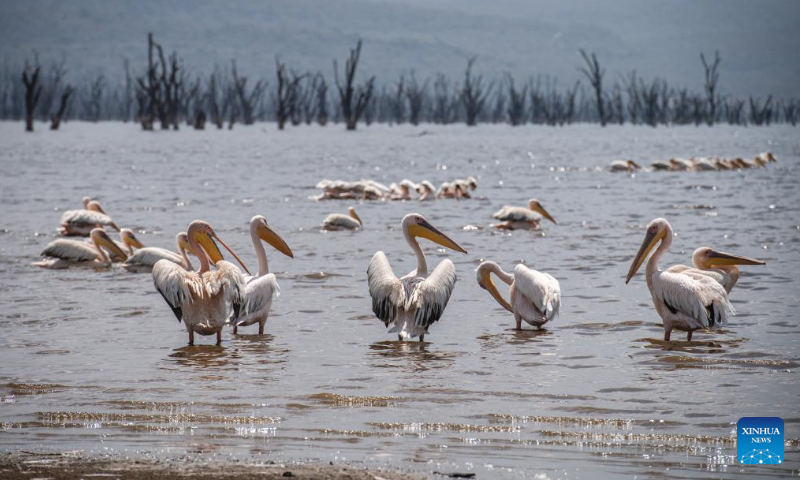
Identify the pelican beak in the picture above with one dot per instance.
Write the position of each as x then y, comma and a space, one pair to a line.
540, 209
206, 241
649, 242
184, 244
114, 226
426, 230
131, 241
355, 215
720, 258
265, 233
486, 283
213, 236
103, 240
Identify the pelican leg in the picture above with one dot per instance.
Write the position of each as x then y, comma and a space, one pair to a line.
519, 321
235, 329
399, 338
666, 335
191, 338
261, 325
219, 337
422, 338
689, 336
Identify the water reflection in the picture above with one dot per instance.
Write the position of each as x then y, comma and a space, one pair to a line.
410, 356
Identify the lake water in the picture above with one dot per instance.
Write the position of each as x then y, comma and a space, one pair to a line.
95, 361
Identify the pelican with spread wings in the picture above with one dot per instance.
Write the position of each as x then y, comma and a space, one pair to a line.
204, 300
686, 299
414, 302
535, 296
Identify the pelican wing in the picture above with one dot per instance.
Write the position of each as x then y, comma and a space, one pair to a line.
85, 217
540, 288
430, 295
176, 285
386, 290
73, 250
259, 292
148, 256
719, 276
228, 280
693, 294
516, 214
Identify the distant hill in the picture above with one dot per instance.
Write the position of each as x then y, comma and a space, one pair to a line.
758, 39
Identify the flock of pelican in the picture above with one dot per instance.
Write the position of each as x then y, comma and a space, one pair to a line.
687, 298
405, 190
696, 164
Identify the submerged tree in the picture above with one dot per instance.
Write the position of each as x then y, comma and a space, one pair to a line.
353, 99
473, 94
711, 71
33, 90
595, 75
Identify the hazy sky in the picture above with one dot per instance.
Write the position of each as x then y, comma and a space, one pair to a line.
758, 40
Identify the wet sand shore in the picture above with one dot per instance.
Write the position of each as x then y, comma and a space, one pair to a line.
29, 465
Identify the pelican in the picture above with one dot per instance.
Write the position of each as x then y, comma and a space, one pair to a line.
128, 243
767, 156
144, 259
686, 300
337, 221
261, 288
470, 183
718, 265
460, 190
514, 218
741, 163
64, 253
445, 191
535, 296
624, 166
703, 164
681, 165
660, 166
723, 164
426, 191
81, 222
403, 191
204, 300
414, 302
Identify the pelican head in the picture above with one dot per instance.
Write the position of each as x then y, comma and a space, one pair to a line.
262, 230
472, 182
101, 239
707, 257
129, 239
352, 212
770, 157
183, 241
95, 206
416, 225
202, 233
633, 165
656, 231
86, 201
484, 276
536, 206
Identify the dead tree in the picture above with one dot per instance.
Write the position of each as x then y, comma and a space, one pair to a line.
353, 99
516, 102
733, 111
710, 85
415, 93
650, 104
92, 104
55, 121
33, 90
286, 95
217, 99
790, 111
397, 102
760, 114
569, 103
247, 101
307, 102
322, 100
50, 89
595, 75
473, 94
442, 100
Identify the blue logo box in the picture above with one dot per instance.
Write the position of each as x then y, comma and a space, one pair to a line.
759, 440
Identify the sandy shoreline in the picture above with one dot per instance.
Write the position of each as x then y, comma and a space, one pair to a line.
29, 465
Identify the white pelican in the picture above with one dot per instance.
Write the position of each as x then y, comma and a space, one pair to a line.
128, 243
470, 183
660, 166
403, 191
767, 157
262, 287
704, 164
81, 222
445, 191
204, 300
718, 265
65, 253
414, 302
723, 164
535, 296
426, 191
530, 218
681, 165
337, 221
624, 166
686, 300
145, 258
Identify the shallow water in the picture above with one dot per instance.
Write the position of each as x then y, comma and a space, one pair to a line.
96, 361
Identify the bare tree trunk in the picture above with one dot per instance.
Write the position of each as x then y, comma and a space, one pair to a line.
595, 75
30, 78
62, 108
353, 100
710, 85
473, 94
